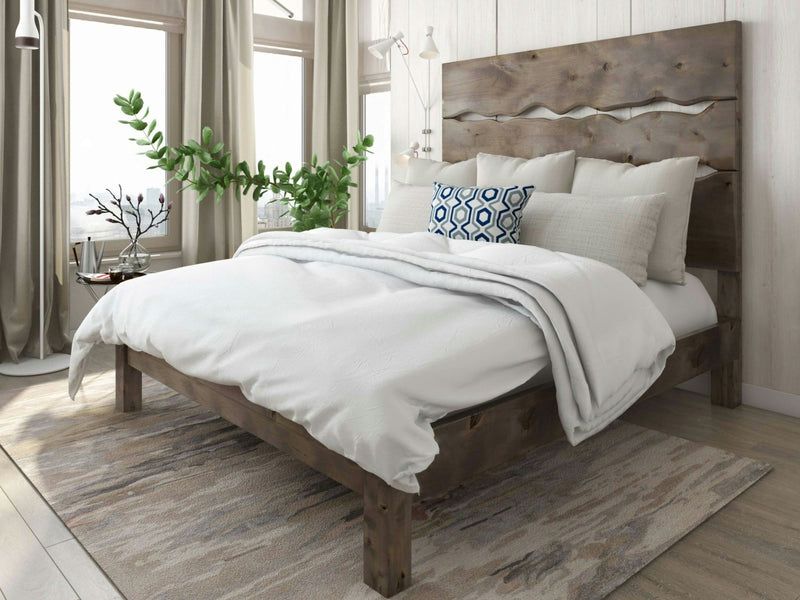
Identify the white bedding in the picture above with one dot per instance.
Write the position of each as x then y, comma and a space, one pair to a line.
686, 308
365, 340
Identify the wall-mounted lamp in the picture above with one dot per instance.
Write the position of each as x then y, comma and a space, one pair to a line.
411, 151
429, 52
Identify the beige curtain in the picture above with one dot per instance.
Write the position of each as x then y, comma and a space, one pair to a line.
335, 116
218, 92
19, 182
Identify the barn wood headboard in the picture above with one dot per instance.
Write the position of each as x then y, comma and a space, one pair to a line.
684, 66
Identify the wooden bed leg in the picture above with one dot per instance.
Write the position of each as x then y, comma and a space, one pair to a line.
129, 383
726, 381
726, 385
387, 537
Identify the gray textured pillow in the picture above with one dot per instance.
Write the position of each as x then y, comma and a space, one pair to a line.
674, 177
618, 231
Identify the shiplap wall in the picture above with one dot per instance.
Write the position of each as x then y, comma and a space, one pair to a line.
771, 125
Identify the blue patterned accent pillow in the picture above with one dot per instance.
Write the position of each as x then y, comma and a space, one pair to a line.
485, 214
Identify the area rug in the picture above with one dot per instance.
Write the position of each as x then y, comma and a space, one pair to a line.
176, 503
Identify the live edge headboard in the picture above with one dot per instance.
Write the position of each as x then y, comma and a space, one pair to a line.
683, 66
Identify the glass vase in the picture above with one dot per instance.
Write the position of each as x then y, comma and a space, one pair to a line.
137, 256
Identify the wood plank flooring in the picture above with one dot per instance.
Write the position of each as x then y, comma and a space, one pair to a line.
749, 550
39, 556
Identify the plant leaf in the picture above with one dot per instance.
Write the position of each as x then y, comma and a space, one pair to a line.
208, 135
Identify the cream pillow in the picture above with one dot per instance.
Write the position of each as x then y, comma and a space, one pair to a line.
618, 231
550, 173
408, 207
422, 171
674, 177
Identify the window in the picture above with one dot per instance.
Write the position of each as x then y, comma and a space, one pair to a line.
280, 116
282, 85
374, 84
376, 182
108, 59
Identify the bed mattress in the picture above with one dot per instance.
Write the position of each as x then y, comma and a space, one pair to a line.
686, 308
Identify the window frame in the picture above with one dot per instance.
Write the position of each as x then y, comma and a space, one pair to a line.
276, 35
174, 118
375, 84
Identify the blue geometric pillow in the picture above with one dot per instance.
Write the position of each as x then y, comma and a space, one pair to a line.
489, 214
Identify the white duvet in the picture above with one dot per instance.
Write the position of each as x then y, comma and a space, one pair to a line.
366, 339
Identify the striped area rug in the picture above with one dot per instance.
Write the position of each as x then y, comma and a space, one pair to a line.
176, 503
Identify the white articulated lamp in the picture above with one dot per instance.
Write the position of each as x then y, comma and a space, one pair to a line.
429, 52
28, 37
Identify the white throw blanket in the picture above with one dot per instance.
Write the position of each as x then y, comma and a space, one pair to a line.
366, 339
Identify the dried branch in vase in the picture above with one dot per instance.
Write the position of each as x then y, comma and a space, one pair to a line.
144, 219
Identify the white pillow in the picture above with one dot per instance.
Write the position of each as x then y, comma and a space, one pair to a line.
549, 173
674, 177
422, 171
618, 231
408, 209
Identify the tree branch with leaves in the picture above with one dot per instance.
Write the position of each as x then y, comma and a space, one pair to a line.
316, 194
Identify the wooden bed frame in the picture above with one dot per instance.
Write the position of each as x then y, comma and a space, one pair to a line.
684, 66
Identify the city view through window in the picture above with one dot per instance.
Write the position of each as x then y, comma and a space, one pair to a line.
279, 123
106, 60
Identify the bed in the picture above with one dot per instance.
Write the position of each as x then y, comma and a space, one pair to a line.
684, 66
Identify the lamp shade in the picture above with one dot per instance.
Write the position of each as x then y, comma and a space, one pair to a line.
26, 36
429, 49
381, 49
411, 151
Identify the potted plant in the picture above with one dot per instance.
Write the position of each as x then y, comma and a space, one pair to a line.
316, 194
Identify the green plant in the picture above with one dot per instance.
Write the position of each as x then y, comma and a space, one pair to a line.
316, 194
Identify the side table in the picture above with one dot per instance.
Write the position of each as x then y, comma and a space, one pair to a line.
93, 286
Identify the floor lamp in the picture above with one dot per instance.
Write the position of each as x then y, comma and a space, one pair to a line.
28, 37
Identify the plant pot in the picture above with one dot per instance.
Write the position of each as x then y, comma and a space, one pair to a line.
137, 256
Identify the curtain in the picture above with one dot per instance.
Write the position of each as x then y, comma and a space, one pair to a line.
335, 115
218, 93
19, 185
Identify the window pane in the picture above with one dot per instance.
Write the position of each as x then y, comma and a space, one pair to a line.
268, 7
376, 169
278, 83
106, 60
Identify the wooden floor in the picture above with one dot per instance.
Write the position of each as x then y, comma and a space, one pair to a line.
749, 550
39, 557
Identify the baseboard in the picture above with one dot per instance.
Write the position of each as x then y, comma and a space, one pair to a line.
752, 395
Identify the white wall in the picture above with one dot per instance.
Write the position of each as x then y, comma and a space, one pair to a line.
771, 125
